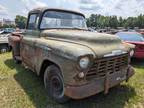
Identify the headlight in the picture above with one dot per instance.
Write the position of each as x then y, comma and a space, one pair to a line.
84, 62
131, 53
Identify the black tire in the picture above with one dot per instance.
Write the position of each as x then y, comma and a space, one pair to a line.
9, 48
54, 85
14, 58
3, 49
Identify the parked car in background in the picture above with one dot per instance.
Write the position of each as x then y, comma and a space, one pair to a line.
4, 34
3, 42
142, 33
92, 30
8, 30
134, 38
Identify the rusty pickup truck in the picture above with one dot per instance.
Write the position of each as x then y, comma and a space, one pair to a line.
74, 62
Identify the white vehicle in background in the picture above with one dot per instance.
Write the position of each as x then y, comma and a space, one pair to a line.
4, 34
92, 30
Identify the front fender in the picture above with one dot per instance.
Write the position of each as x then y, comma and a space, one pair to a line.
64, 54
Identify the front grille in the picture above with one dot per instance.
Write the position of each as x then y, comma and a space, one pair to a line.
109, 64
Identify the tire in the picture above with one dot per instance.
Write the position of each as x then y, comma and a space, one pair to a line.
14, 58
3, 49
9, 48
54, 85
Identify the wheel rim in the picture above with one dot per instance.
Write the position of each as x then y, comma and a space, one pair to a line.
56, 87
3, 50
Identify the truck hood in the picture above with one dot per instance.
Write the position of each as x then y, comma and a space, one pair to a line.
101, 44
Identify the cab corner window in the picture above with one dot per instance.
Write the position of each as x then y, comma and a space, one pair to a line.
33, 22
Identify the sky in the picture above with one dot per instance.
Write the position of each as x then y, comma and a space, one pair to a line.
125, 8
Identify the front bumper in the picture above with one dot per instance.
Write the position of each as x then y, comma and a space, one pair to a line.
99, 85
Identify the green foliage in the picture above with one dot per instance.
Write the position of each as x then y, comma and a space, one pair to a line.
8, 26
100, 21
20, 21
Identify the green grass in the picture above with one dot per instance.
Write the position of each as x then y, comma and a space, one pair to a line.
21, 88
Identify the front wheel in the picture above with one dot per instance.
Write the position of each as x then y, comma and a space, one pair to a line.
54, 84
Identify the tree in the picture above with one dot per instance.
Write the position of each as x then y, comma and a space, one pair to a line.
120, 21
20, 21
8, 26
100, 21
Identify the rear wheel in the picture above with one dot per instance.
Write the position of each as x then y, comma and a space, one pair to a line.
54, 85
14, 58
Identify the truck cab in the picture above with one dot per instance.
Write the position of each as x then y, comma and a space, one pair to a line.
74, 62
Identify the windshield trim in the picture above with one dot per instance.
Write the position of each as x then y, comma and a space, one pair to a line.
59, 10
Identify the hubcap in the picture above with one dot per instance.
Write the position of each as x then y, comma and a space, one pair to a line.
3, 50
56, 86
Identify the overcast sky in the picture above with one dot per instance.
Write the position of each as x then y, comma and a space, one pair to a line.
124, 8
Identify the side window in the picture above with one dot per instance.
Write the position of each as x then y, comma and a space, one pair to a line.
33, 21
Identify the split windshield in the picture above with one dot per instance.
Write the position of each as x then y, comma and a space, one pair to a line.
59, 19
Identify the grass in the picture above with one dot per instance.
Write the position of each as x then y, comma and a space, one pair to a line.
21, 88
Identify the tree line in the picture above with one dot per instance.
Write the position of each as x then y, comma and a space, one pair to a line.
20, 22
7, 26
100, 21
95, 20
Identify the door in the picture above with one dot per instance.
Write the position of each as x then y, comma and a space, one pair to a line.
28, 42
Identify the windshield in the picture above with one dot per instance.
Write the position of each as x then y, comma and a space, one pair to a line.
58, 19
131, 37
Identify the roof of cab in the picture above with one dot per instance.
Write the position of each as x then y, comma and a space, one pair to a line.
42, 9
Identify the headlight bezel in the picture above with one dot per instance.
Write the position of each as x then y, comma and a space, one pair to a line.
90, 57
131, 53
84, 62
